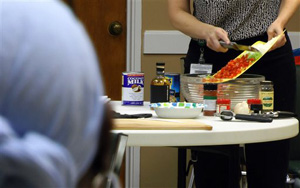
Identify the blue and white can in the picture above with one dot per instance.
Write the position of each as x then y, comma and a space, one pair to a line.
174, 79
133, 88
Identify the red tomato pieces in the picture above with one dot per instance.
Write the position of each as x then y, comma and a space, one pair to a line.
234, 67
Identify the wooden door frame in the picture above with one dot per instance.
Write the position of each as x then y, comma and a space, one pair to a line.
133, 63
134, 33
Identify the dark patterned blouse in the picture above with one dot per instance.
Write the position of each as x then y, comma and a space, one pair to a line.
240, 18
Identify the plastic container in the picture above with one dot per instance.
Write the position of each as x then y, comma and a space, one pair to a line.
209, 99
251, 102
223, 104
256, 109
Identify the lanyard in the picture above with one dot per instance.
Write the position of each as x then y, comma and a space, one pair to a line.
201, 67
201, 43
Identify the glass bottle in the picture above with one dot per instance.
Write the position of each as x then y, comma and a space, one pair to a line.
160, 85
266, 95
209, 99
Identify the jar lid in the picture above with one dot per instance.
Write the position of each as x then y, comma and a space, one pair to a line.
223, 101
210, 86
254, 101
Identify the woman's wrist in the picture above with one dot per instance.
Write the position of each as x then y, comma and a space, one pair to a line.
279, 23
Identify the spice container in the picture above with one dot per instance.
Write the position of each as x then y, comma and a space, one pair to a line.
256, 109
223, 104
266, 94
209, 99
254, 104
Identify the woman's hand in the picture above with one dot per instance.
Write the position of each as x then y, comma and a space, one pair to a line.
213, 35
274, 30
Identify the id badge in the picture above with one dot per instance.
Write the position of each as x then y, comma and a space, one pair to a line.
201, 68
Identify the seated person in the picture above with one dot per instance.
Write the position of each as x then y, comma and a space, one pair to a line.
50, 112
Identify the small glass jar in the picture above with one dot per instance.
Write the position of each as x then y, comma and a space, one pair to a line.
266, 94
223, 104
209, 99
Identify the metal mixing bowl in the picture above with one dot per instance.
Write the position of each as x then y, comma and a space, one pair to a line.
242, 88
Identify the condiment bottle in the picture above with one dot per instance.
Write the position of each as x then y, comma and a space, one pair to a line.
223, 104
160, 85
255, 106
209, 98
253, 101
266, 94
256, 109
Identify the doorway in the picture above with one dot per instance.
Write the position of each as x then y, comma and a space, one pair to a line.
105, 21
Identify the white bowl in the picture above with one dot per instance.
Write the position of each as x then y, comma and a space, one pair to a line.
177, 110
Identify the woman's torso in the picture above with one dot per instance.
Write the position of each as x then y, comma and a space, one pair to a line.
240, 18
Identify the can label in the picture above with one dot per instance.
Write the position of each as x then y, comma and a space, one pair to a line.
210, 103
174, 79
132, 88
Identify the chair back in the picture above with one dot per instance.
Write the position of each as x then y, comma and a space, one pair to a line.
116, 153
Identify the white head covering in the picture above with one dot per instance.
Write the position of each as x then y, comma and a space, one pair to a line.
50, 114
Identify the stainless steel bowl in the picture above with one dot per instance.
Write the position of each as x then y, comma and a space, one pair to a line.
244, 87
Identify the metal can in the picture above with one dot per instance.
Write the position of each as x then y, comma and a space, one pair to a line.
133, 88
174, 79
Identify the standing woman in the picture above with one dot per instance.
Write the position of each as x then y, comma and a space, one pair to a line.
244, 22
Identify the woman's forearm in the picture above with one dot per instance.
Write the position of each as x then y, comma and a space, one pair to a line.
182, 19
287, 9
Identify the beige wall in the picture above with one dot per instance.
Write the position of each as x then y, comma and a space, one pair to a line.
155, 18
159, 165
294, 23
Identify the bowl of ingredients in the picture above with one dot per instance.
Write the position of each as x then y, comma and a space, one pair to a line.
242, 88
178, 110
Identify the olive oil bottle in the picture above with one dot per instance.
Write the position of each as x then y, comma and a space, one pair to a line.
160, 85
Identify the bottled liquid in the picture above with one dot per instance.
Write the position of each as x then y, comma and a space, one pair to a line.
160, 85
266, 95
209, 99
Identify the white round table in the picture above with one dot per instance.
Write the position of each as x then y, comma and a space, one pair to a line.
222, 133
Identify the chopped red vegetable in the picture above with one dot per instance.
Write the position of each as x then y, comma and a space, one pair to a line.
234, 67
